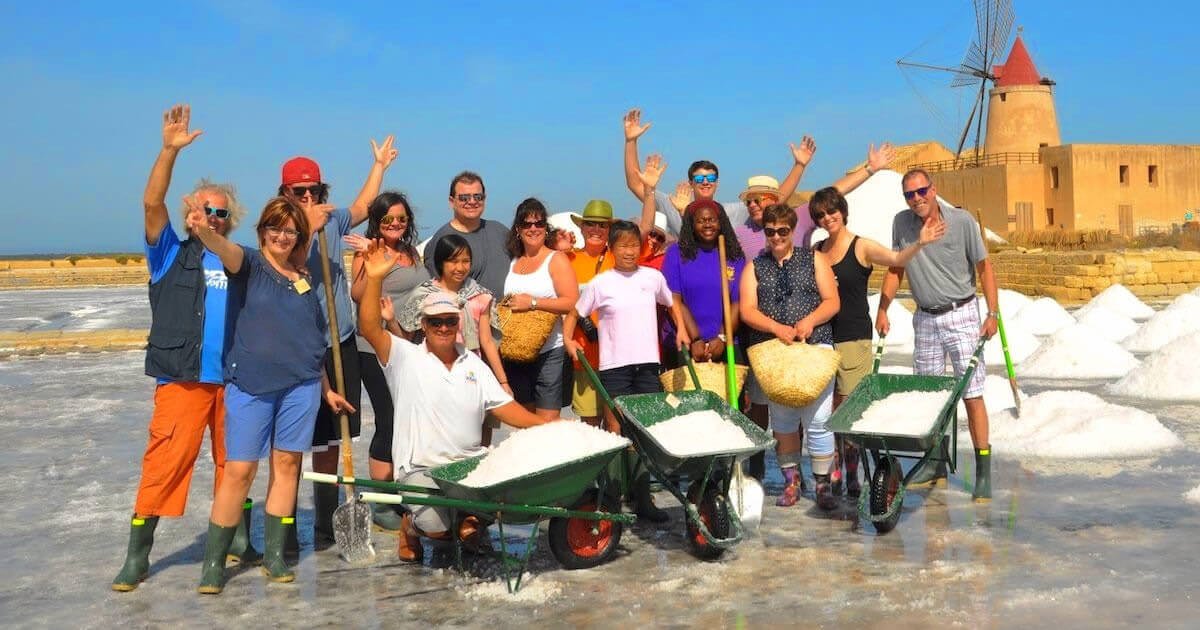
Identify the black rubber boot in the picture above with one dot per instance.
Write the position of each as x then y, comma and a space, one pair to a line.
983, 475
137, 556
212, 573
325, 501
932, 473
241, 551
273, 566
826, 500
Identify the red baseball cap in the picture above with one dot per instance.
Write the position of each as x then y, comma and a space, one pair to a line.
300, 169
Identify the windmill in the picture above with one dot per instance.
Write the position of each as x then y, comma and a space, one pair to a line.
993, 25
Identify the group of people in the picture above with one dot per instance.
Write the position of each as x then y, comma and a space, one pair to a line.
244, 339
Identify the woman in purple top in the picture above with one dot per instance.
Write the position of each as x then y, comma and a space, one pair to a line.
691, 267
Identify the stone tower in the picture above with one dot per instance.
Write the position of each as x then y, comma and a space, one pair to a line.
1021, 115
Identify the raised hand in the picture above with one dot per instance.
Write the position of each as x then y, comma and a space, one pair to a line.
317, 213
932, 230
356, 242
387, 310
384, 153
633, 124
879, 159
378, 259
803, 154
175, 128
654, 170
195, 220
682, 196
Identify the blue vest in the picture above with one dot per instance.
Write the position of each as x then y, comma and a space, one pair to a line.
177, 317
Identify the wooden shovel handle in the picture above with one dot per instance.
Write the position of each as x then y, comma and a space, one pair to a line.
335, 343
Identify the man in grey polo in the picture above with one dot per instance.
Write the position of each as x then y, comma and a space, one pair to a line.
942, 277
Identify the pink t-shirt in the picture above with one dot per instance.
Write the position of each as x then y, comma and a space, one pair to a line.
624, 303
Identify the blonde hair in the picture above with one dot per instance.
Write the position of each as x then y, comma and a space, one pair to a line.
236, 211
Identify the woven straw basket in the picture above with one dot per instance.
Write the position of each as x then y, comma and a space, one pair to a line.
524, 334
792, 375
711, 375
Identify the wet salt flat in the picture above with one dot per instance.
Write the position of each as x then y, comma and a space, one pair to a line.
1067, 542
41, 310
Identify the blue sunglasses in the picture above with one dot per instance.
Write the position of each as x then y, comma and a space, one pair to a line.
700, 179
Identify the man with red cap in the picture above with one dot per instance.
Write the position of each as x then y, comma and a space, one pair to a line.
302, 182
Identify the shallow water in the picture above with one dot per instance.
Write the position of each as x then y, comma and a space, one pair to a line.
40, 310
1103, 543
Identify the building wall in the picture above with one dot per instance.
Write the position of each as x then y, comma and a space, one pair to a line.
1021, 119
1091, 179
994, 191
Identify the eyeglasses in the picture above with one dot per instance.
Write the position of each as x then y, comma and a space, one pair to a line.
476, 197
783, 231
761, 200
315, 190
658, 236
526, 225
707, 219
387, 219
700, 179
442, 322
275, 230
920, 192
595, 224
222, 213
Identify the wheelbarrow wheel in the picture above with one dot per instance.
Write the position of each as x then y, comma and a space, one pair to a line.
714, 512
885, 483
580, 543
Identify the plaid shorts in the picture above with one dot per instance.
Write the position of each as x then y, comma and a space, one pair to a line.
954, 333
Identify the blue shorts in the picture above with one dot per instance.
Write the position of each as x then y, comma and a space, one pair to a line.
282, 420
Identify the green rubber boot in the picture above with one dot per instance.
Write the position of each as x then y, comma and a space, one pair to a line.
386, 518
212, 573
932, 473
137, 556
291, 546
325, 501
983, 475
273, 565
241, 551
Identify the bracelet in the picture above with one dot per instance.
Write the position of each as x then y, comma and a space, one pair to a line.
995, 314
870, 171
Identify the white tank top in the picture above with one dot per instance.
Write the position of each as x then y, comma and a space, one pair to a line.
538, 284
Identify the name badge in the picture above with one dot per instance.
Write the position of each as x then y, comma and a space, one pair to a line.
301, 286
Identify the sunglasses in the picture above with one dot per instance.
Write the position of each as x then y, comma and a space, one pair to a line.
275, 230
920, 192
315, 190
595, 224
526, 225
388, 219
658, 236
783, 231
817, 215
700, 179
476, 197
442, 322
761, 200
222, 213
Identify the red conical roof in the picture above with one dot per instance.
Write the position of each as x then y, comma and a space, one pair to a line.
1019, 69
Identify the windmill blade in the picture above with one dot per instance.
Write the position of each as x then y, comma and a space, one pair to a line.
1000, 19
962, 139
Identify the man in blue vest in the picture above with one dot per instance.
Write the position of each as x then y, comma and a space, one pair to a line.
185, 353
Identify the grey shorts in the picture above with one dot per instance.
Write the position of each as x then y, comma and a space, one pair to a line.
426, 518
539, 382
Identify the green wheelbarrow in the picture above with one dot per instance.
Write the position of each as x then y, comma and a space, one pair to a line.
880, 503
586, 522
712, 523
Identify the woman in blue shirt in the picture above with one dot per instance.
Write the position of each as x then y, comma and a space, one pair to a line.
274, 379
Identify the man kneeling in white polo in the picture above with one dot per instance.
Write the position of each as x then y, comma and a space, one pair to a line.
441, 392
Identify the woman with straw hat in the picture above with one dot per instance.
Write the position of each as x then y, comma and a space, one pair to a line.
790, 293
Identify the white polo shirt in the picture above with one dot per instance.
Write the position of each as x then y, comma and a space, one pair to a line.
438, 412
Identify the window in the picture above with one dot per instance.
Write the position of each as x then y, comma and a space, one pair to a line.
1054, 177
1152, 174
1050, 217
1124, 174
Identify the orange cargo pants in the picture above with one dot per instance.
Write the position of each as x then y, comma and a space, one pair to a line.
181, 412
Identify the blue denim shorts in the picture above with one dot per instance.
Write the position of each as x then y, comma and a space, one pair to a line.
282, 420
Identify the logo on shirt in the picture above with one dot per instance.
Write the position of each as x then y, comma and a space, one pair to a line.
215, 279
471, 378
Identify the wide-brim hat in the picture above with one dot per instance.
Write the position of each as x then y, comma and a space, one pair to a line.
595, 210
660, 222
761, 185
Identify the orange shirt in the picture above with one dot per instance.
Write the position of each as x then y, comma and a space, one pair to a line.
586, 268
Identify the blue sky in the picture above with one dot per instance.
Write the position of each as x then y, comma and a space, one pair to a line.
529, 95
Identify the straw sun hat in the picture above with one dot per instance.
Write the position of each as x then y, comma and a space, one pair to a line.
760, 185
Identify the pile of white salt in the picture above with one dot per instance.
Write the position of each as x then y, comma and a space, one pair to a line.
1044, 316
1170, 373
1076, 353
1075, 424
902, 413
1121, 300
1164, 327
699, 432
900, 336
538, 448
1107, 323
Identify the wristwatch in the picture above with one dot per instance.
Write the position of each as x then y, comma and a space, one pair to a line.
532, 303
721, 336
995, 314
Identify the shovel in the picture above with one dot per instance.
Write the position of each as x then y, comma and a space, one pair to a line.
352, 519
745, 492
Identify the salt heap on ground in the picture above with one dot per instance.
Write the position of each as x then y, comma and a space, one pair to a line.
900, 337
1077, 352
1075, 424
541, 447
1041, 317
1166, 326
1192, 495
1021, 342
1108, 323
1169, 374
699, 432
902, 413
1185, 301
1119, 299
997, 395
1011, 302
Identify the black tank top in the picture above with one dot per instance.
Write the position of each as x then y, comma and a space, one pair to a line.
853, 320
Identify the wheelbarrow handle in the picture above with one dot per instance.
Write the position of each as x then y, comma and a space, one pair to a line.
366, 483
878, 355
691, 365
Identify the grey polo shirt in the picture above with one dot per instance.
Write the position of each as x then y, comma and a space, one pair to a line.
944, 271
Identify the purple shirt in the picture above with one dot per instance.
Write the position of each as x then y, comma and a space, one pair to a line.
753, 241
697, 283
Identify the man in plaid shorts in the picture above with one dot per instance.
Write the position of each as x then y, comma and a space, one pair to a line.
942, 277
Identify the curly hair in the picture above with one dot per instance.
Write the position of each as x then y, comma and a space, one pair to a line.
379, 208
531, 207
236, 211
689, 246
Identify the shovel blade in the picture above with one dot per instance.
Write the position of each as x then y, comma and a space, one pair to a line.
752, 496
352, 532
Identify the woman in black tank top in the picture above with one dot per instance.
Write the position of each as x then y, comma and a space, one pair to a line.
852, 258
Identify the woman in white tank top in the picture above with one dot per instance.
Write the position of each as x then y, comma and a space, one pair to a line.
538, 279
